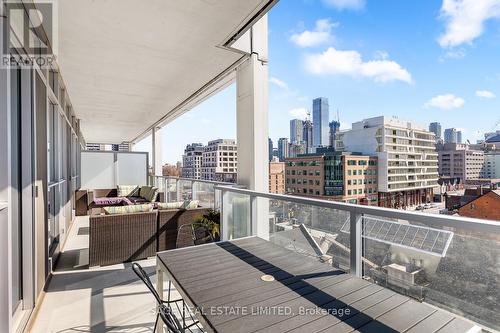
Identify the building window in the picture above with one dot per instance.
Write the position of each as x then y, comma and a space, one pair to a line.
349, 192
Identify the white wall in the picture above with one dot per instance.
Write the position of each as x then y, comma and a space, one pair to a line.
107, 169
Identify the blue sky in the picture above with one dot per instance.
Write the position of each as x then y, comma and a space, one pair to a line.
427, 60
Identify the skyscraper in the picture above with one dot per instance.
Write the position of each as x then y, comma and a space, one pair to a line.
307, 135
459, 136
320, 122
270, 153
450, 135
296, 129
282, 148
436, 129
334, 131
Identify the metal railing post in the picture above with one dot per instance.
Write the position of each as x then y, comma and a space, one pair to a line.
165, 189
252, 227
356, 264
194, 190
178, 190
224, 219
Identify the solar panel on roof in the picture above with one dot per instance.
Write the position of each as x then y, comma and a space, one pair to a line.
419, 238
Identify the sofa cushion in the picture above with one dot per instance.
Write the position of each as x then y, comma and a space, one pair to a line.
170, 205
191, 204
149, 193
127, 190
128, 209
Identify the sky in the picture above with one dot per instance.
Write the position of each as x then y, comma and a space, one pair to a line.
426, 61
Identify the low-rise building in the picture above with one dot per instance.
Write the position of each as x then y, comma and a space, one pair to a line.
487, 206
341, 176
277, 177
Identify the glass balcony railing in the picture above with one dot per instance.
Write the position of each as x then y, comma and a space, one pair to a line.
448, 261
181, 189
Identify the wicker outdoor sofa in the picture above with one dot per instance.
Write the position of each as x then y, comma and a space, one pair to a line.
120, 238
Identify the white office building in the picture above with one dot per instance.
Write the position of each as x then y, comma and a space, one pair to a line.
220, 161
407, 158
491, 167
191, 160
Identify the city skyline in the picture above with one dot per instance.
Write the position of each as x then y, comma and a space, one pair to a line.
460, 92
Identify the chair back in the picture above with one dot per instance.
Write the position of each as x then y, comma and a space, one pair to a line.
164, 310
201, 235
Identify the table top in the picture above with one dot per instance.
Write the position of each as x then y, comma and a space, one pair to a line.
225, 282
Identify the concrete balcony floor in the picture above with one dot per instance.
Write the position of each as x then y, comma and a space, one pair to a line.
102, 299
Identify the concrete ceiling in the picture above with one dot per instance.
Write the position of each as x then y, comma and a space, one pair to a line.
127, 63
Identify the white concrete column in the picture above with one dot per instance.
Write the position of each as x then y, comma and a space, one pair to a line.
252, 126
156, 151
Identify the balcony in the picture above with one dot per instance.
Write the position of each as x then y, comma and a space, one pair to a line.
444, 261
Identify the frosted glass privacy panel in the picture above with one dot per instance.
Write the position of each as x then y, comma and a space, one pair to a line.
132, 168
98, 170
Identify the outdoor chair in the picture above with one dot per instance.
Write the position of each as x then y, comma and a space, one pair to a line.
197, 233
165, 311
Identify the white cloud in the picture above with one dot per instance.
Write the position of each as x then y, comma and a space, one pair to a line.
453, 54
322, 34
278, 82
338, 62
446, 102
345, 4
485, 94
298, 113
465, 20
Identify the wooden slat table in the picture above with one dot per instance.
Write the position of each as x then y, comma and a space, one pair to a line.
223, 281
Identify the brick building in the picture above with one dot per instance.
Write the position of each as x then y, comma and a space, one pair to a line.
487, 206
327, 174
277, 177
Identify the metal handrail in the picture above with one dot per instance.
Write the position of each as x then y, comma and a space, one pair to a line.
467, 223
196, 180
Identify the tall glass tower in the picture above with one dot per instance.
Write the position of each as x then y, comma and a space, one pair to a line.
321, 128
296, 131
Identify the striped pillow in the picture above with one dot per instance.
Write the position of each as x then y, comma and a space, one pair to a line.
128, 209
170, 205
128, 190
191, 204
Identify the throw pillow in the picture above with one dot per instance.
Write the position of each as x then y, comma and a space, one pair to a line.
127, 190
145, 191
152, 194
128, 209
191, 204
